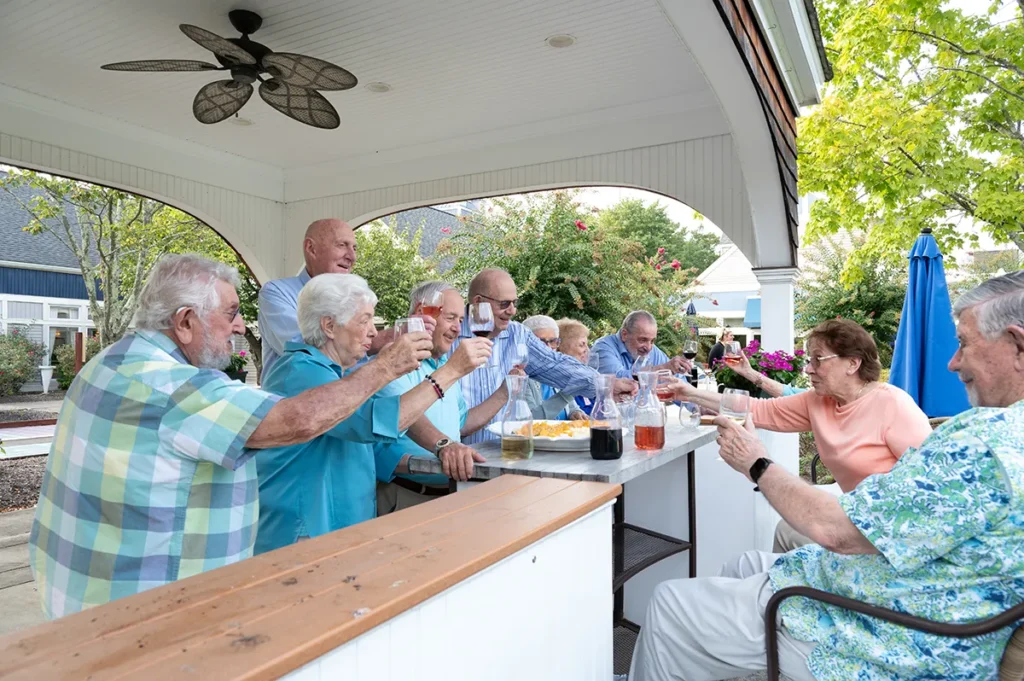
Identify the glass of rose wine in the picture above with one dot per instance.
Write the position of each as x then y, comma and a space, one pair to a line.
408, 325
431, 304
732, 353
663, 389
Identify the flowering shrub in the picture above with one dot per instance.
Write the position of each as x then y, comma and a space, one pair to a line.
779, 366
65, 372
19, 362
237, 362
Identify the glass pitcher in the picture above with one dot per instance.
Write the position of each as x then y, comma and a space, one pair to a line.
516, 421
649, 421
605, 422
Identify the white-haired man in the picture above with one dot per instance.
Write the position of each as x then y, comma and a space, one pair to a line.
615, 353
496, 287
445, 423
150, 476
940, 536
328, 247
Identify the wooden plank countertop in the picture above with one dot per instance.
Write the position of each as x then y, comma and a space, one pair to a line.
267, 616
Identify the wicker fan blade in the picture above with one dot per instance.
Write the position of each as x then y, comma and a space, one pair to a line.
219, 46
219, 100
160, 65
306, 106
308, 72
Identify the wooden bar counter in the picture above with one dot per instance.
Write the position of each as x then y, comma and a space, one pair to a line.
507, 580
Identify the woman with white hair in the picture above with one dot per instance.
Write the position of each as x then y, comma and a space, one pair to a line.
546, 402
330, 482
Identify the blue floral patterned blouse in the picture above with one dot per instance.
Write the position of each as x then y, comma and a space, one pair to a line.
948, 521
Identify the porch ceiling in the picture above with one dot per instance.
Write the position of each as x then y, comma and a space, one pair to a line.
472, 69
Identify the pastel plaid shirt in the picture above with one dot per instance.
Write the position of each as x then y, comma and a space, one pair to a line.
148, 478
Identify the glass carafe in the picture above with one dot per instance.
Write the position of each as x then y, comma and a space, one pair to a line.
516, 421
649, 422
605, 422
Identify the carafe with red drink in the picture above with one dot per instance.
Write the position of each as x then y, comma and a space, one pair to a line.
650, 414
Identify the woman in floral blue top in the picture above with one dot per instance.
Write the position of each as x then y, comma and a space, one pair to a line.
941, 536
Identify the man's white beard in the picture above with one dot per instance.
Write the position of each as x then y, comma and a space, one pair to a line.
211, 357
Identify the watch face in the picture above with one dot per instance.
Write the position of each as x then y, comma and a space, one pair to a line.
443, 442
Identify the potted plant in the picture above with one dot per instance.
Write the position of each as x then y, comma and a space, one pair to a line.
236, 369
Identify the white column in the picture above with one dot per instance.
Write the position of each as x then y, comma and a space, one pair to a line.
777, 333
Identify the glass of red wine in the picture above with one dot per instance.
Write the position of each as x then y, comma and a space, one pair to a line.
481, 324
690, 349
431, 304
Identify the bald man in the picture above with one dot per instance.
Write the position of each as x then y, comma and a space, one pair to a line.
329, 247
562, 372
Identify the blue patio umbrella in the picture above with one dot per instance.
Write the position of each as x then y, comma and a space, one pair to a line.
926, 339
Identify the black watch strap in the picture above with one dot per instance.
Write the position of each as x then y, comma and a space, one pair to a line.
759, 467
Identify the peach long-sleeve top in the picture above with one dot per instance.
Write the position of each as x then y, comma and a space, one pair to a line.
855, 440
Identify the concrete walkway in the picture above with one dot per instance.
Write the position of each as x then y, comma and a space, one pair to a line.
19, 599
48, 405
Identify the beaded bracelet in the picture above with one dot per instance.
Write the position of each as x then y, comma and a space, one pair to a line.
437, 387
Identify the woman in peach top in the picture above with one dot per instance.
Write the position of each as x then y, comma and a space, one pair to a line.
861, 427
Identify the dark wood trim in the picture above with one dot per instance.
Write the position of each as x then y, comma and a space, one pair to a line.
21, 424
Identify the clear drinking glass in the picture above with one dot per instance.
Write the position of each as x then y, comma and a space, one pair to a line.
735, 404
408, 325
689, 415
520, 356
732, 353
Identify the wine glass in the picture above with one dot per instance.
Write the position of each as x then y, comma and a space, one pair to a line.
689, 415
481, 325
690, 349
520, 356
735, 405
642, 363
431, 304
408, 325
732, 353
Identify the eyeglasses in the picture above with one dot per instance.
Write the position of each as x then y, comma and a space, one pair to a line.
816, 361
230, 314
552, 343
502, 304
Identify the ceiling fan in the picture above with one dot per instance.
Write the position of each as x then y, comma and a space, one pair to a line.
291, 88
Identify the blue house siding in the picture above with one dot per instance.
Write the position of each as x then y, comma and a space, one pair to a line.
22, 282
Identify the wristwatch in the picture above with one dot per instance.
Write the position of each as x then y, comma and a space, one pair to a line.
759, 467
441, 444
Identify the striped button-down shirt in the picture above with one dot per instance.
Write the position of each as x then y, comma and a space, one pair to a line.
552, 368
148, 479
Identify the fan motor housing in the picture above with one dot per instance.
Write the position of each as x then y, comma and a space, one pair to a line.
257, 50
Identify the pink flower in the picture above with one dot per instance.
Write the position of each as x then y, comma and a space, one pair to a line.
241, 353
799, 353
714, 302
657, 267
661, 251
676, 265
446, 230
580, 226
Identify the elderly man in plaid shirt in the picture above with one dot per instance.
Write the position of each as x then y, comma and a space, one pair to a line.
151, 475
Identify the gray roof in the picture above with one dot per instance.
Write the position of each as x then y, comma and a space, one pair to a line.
17, 245
432, 221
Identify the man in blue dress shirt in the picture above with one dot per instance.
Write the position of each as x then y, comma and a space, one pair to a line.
328, 247
562, 372
615, 353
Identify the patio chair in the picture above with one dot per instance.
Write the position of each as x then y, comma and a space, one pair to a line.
1011, 667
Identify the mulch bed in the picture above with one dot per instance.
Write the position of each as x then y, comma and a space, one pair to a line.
11, 415
20, 482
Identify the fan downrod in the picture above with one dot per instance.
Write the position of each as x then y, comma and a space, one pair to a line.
244, 21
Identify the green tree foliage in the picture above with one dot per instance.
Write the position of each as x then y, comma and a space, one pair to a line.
65, 372
874, 301
655, 230
921, 126
391, 265
564, 267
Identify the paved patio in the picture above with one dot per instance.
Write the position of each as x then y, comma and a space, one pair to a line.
19, 600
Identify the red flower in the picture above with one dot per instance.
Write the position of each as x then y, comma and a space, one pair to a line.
580, 226
714, 302
446, 230
661, 251
657, 267
676, 265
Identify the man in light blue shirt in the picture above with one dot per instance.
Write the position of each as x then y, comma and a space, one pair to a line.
615, 354
552, 368
444, 423
328, 247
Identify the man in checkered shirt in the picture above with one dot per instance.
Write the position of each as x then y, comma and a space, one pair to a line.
150, 476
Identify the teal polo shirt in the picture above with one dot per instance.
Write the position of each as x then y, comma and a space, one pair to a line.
448, 415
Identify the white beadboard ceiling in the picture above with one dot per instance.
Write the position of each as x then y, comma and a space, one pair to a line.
458, 67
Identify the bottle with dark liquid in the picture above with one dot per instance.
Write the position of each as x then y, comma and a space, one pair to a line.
605, 422
650, 414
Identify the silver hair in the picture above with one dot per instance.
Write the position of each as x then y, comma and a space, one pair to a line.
629, 323
541, 321
426, 289
177, 281
338, 296
998, 303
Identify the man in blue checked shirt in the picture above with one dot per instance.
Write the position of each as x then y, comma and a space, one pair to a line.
151, 477
615, 353
552, 368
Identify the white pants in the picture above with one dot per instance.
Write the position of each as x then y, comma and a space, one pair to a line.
713, 627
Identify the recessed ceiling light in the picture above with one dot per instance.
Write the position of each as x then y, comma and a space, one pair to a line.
378, 87
241, 122
562, 40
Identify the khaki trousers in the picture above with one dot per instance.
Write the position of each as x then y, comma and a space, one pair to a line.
391, 498
713, 628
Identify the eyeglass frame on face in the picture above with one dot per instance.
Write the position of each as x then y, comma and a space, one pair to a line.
551, 342
502, 304
816, 360
233, 315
